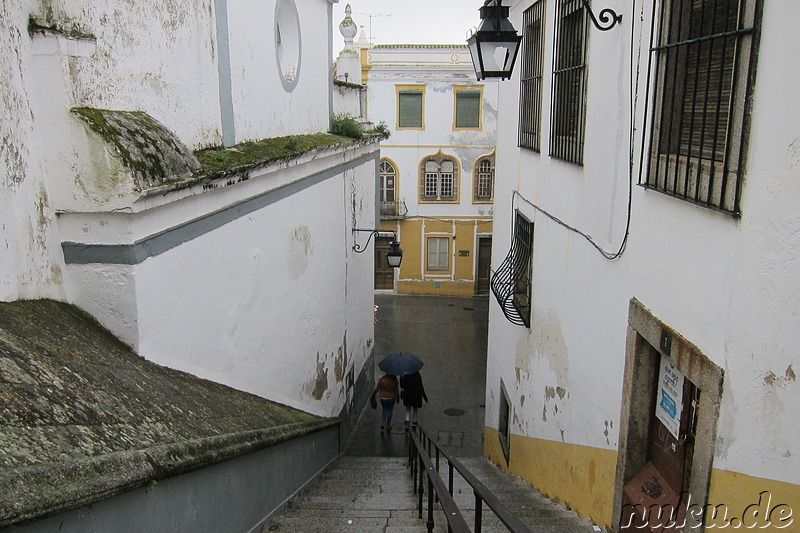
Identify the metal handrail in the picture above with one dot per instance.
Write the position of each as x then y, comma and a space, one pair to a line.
482, 493
455, 520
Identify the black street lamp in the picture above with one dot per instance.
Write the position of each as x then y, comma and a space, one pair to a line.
495, 44
394, 256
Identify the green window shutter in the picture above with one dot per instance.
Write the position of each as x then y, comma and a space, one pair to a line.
409, 103
468, 109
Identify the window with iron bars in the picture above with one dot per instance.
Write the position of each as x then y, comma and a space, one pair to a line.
438, 179
484, 180
568, 115
532, 69
704, 54
511, 282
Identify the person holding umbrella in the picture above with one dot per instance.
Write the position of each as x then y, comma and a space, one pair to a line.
407, 366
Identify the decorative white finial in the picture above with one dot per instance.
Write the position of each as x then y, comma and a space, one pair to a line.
348, 28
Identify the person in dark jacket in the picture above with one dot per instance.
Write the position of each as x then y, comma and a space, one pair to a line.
413, 394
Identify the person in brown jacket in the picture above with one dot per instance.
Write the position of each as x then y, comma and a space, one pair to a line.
389, 393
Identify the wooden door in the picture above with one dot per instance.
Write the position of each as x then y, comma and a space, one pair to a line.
384, 274
484, 262
654, 500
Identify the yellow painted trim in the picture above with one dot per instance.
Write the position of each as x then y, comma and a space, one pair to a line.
490, 156
459, 172
396, 178
404, 87
581, 477
456, 89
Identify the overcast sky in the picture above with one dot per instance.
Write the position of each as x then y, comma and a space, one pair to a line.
410, 21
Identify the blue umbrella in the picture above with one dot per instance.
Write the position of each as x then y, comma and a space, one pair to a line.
400, 363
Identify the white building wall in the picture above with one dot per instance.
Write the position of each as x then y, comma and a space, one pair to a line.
727, 285
438, 68
262, 105
266, 299
265, 303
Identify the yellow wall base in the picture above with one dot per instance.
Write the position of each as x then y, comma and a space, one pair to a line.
446, 288
583, 478
579, 476
753, 502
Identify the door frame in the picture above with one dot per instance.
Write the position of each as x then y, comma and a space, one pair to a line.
483, 238
646, 332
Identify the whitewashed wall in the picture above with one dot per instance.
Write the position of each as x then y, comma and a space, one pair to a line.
28, 261
729, 286
271, 302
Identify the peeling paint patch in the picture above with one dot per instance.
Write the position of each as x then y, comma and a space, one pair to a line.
790, 375
320, 380
721, 449
561, 392
522, 400
794, 154
340, 363
299, 251
770, 378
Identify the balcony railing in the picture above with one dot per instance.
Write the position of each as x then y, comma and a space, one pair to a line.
396, 209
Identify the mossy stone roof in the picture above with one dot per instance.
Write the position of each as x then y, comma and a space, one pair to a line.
82, 417
159, 162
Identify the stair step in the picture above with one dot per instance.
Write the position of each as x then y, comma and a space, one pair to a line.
375, 494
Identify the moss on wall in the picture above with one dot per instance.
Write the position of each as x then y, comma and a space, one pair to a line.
220, 162
152, 153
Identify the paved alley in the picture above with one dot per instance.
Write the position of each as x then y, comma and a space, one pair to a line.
449, 334
369, 489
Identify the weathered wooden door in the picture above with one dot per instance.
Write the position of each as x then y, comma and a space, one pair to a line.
484, 262
655, 499
384, 274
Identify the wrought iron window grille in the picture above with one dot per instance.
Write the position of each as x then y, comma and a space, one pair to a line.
511, 282
699, 126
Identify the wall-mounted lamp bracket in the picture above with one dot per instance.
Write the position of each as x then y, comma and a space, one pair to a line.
357, 248
394, 255
607, 19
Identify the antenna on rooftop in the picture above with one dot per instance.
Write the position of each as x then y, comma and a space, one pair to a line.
371, 16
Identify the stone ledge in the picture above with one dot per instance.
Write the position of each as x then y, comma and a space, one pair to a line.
38, 491
83, 418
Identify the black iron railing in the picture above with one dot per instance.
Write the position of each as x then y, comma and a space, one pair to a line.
394, 209
424, 460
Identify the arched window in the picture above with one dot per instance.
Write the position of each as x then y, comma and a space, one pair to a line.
438, 179
388, 188
483, 180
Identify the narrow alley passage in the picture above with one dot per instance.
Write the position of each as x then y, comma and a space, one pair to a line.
369, 489
449, 334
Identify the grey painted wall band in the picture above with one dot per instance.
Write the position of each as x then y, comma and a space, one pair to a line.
76, 253
224, 73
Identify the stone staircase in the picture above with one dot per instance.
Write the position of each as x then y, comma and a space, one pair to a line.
375, 495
